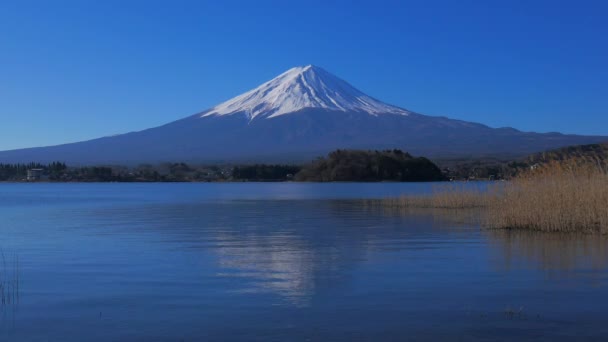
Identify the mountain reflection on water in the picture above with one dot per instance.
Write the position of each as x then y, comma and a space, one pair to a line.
557, 254
298, 248
292, 248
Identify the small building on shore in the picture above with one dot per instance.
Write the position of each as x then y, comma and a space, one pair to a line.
34, 174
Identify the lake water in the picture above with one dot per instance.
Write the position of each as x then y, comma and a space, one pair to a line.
282, 262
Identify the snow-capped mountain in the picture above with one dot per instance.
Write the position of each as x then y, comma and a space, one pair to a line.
303, 113
303, 88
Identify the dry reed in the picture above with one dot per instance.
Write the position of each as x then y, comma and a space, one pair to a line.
448, 196
9, 280
557, 197
569, 196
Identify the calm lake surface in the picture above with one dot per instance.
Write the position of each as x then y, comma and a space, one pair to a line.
282, 262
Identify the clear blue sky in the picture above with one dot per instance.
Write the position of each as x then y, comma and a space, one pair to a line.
74, 70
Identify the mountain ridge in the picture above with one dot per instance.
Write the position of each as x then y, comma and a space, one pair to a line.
303, 113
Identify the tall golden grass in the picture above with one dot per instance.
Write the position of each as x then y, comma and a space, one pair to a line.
557, 197
565, 196
448, 196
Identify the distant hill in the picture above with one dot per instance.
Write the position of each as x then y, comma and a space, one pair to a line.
590, 152
358, 165
499, 168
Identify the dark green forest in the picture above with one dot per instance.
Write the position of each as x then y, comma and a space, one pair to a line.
507, 168
167, 172
370, 166
591, 152
338, 166
264, 172
17, 172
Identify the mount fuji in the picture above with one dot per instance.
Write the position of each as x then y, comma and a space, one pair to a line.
303, 113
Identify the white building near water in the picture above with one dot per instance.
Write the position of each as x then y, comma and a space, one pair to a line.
34, 174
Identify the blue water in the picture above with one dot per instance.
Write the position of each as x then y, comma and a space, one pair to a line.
283, 262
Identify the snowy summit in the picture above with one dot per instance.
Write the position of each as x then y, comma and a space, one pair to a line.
300, 88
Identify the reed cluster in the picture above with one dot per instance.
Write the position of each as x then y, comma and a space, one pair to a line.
565, 196
557, 197
9, 280
448, 196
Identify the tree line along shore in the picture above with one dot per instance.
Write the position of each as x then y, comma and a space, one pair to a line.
340, 165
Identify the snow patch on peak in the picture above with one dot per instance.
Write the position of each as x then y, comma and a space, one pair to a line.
300, 88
